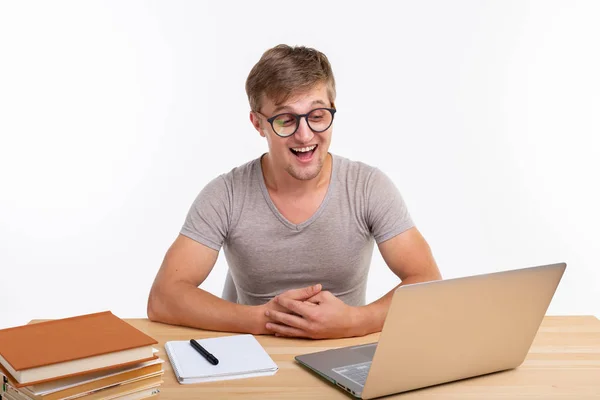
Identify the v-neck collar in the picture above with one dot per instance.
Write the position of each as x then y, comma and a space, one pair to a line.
315, 216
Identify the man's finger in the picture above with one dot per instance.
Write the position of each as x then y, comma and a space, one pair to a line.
303, 293
284, 330
316, 299
295, 306
287, 319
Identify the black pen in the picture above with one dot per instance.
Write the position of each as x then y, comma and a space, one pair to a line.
209, 357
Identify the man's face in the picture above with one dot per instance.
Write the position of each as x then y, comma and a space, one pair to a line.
290, 153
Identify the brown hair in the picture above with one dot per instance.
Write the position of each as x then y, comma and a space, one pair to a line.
284, 71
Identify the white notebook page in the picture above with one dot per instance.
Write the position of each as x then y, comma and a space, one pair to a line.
240, 356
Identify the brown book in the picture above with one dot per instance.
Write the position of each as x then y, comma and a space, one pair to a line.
124, 389
95, 381
133, 389
10, 393
64, 347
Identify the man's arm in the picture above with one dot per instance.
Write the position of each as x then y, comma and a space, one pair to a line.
176, 299
408, 255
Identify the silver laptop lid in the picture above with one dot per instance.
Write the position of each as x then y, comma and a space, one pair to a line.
442, 331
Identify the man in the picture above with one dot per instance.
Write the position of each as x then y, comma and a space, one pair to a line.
297, 225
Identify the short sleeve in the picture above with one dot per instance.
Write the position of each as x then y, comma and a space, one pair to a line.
387, 213
209, 217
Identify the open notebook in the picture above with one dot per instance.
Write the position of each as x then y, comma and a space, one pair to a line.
240, 356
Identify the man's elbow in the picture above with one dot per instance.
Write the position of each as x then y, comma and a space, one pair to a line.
436, 275
432, 275
155, 308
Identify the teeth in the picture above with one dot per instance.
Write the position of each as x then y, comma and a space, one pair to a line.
304, 149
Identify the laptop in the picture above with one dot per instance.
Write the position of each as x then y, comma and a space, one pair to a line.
442, 331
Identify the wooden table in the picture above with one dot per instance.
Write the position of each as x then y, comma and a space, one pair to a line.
563, 363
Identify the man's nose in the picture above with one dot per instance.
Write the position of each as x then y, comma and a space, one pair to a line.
304, 134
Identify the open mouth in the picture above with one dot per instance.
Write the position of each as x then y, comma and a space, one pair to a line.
304, 153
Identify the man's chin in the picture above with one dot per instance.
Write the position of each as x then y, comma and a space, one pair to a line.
306, 173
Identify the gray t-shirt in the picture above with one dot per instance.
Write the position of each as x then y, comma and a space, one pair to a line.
268, 255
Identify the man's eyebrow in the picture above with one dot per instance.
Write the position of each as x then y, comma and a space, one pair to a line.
287, 108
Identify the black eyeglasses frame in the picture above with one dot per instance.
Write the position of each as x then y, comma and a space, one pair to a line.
297, 117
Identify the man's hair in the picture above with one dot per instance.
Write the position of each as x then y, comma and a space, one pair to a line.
284, 71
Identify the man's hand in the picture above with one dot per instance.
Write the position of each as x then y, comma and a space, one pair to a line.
321, 316
302, 295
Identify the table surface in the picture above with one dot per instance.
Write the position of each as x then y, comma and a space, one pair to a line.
563, 363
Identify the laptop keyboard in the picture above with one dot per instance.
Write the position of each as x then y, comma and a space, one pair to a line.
357, 373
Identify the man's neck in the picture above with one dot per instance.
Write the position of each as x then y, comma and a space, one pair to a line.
282, 183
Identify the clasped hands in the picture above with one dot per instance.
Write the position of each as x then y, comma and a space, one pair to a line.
309, 313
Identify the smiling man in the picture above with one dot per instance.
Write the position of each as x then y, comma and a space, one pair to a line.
297, 225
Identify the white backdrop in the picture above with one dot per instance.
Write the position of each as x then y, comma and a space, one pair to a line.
113, 115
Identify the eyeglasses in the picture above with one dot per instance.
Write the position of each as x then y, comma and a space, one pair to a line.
318, 120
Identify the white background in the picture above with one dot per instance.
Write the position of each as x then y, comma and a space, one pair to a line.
113, 115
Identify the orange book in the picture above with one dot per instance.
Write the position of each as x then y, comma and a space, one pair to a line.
124, 389
64, 347
94, 381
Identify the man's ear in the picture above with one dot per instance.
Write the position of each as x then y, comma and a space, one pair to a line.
256, 123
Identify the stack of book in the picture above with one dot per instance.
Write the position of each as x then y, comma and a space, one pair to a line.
94, 356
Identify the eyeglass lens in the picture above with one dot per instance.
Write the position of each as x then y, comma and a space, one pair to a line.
318, 120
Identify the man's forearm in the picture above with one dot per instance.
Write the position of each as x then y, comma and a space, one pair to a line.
185, 304
370, 318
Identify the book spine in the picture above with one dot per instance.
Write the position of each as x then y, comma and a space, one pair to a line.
16, 393
8, 396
